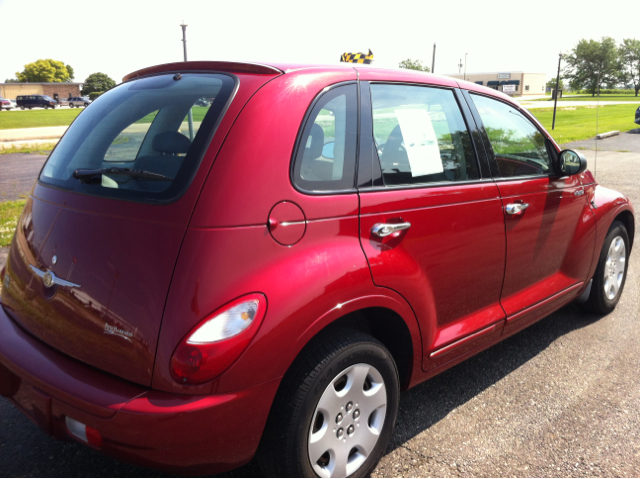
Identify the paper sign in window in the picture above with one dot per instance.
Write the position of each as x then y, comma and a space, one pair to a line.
420, 141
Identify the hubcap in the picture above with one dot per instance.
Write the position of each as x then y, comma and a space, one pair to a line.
347, 421
614, 268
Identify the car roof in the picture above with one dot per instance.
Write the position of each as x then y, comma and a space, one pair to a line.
365, 72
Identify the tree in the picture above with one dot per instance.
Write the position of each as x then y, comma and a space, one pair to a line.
97, 82
414, 65
593, 63
630, 58
12, 80
552, 84
71, 73
44, 71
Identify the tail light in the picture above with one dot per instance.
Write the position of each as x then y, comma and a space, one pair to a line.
217, 341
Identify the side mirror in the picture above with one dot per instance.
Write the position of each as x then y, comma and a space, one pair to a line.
572, 162
327, 150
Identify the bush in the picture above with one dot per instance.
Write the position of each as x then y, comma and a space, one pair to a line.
609, 91
95, 94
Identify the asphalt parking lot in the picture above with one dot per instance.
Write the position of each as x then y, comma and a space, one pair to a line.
560, 399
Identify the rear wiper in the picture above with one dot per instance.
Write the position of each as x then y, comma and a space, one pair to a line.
86, 174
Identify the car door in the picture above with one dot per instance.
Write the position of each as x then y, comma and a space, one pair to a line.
550, 229
431, 222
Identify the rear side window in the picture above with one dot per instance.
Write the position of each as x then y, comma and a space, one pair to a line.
519, 147
420, 135
143, 140
325, 159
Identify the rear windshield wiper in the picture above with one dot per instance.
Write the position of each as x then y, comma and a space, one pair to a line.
85, 174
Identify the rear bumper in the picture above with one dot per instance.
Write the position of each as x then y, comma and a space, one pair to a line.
186, 434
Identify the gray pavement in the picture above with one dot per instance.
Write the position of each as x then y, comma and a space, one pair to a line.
18, 173
626, 141
560, 399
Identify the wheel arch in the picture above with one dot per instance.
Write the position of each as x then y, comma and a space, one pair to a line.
628, 220
383, 324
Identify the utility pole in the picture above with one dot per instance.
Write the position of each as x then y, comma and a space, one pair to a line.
184, 44
555, 102
460, 66
433, 59
465, 66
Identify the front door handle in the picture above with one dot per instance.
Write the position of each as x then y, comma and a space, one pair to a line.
385, 229
516, 208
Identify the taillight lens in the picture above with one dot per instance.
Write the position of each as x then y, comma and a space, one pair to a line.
217, 341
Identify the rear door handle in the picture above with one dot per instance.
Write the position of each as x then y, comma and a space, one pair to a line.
385, 229
516, 208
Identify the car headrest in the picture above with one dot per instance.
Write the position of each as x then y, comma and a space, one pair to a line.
314, 150
171, 142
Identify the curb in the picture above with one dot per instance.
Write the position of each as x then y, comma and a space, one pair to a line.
608, 134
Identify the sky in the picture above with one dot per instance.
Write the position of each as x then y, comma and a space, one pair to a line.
117, 37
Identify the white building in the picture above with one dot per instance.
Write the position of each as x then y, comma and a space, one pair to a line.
517, 83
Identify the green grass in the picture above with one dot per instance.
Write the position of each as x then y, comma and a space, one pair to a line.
38, 118
593, 98
59, 117
9, 214
41, 150
580, 123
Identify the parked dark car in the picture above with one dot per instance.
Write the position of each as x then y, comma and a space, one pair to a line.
35, 101
264, 277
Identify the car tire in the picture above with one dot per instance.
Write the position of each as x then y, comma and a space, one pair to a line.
86, 105
70, 105
22, 107
611, 272
45, 107
339, 402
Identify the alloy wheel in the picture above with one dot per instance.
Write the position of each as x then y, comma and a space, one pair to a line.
614, 268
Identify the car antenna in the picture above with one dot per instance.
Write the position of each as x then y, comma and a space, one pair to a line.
595, 160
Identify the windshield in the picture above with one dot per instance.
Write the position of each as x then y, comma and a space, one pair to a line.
47, 98
157, 127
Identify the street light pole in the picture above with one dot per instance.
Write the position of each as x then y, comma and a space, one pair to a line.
465, 66
433, 59
184, 44
555, 103
460, 66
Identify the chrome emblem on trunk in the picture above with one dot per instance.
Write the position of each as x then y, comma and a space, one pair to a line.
49, 279
116, 331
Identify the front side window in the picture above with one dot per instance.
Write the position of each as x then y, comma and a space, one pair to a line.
142, 140
519, 147
325, 159
420, 135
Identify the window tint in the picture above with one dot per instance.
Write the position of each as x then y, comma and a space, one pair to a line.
325, 160
519, 147
420, 135
156, 128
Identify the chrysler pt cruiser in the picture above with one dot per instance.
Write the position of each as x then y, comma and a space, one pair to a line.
226, 260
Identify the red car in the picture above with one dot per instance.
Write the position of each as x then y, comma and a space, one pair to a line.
5, 104
221, 260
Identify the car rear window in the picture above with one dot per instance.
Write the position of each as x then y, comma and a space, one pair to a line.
143, 140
